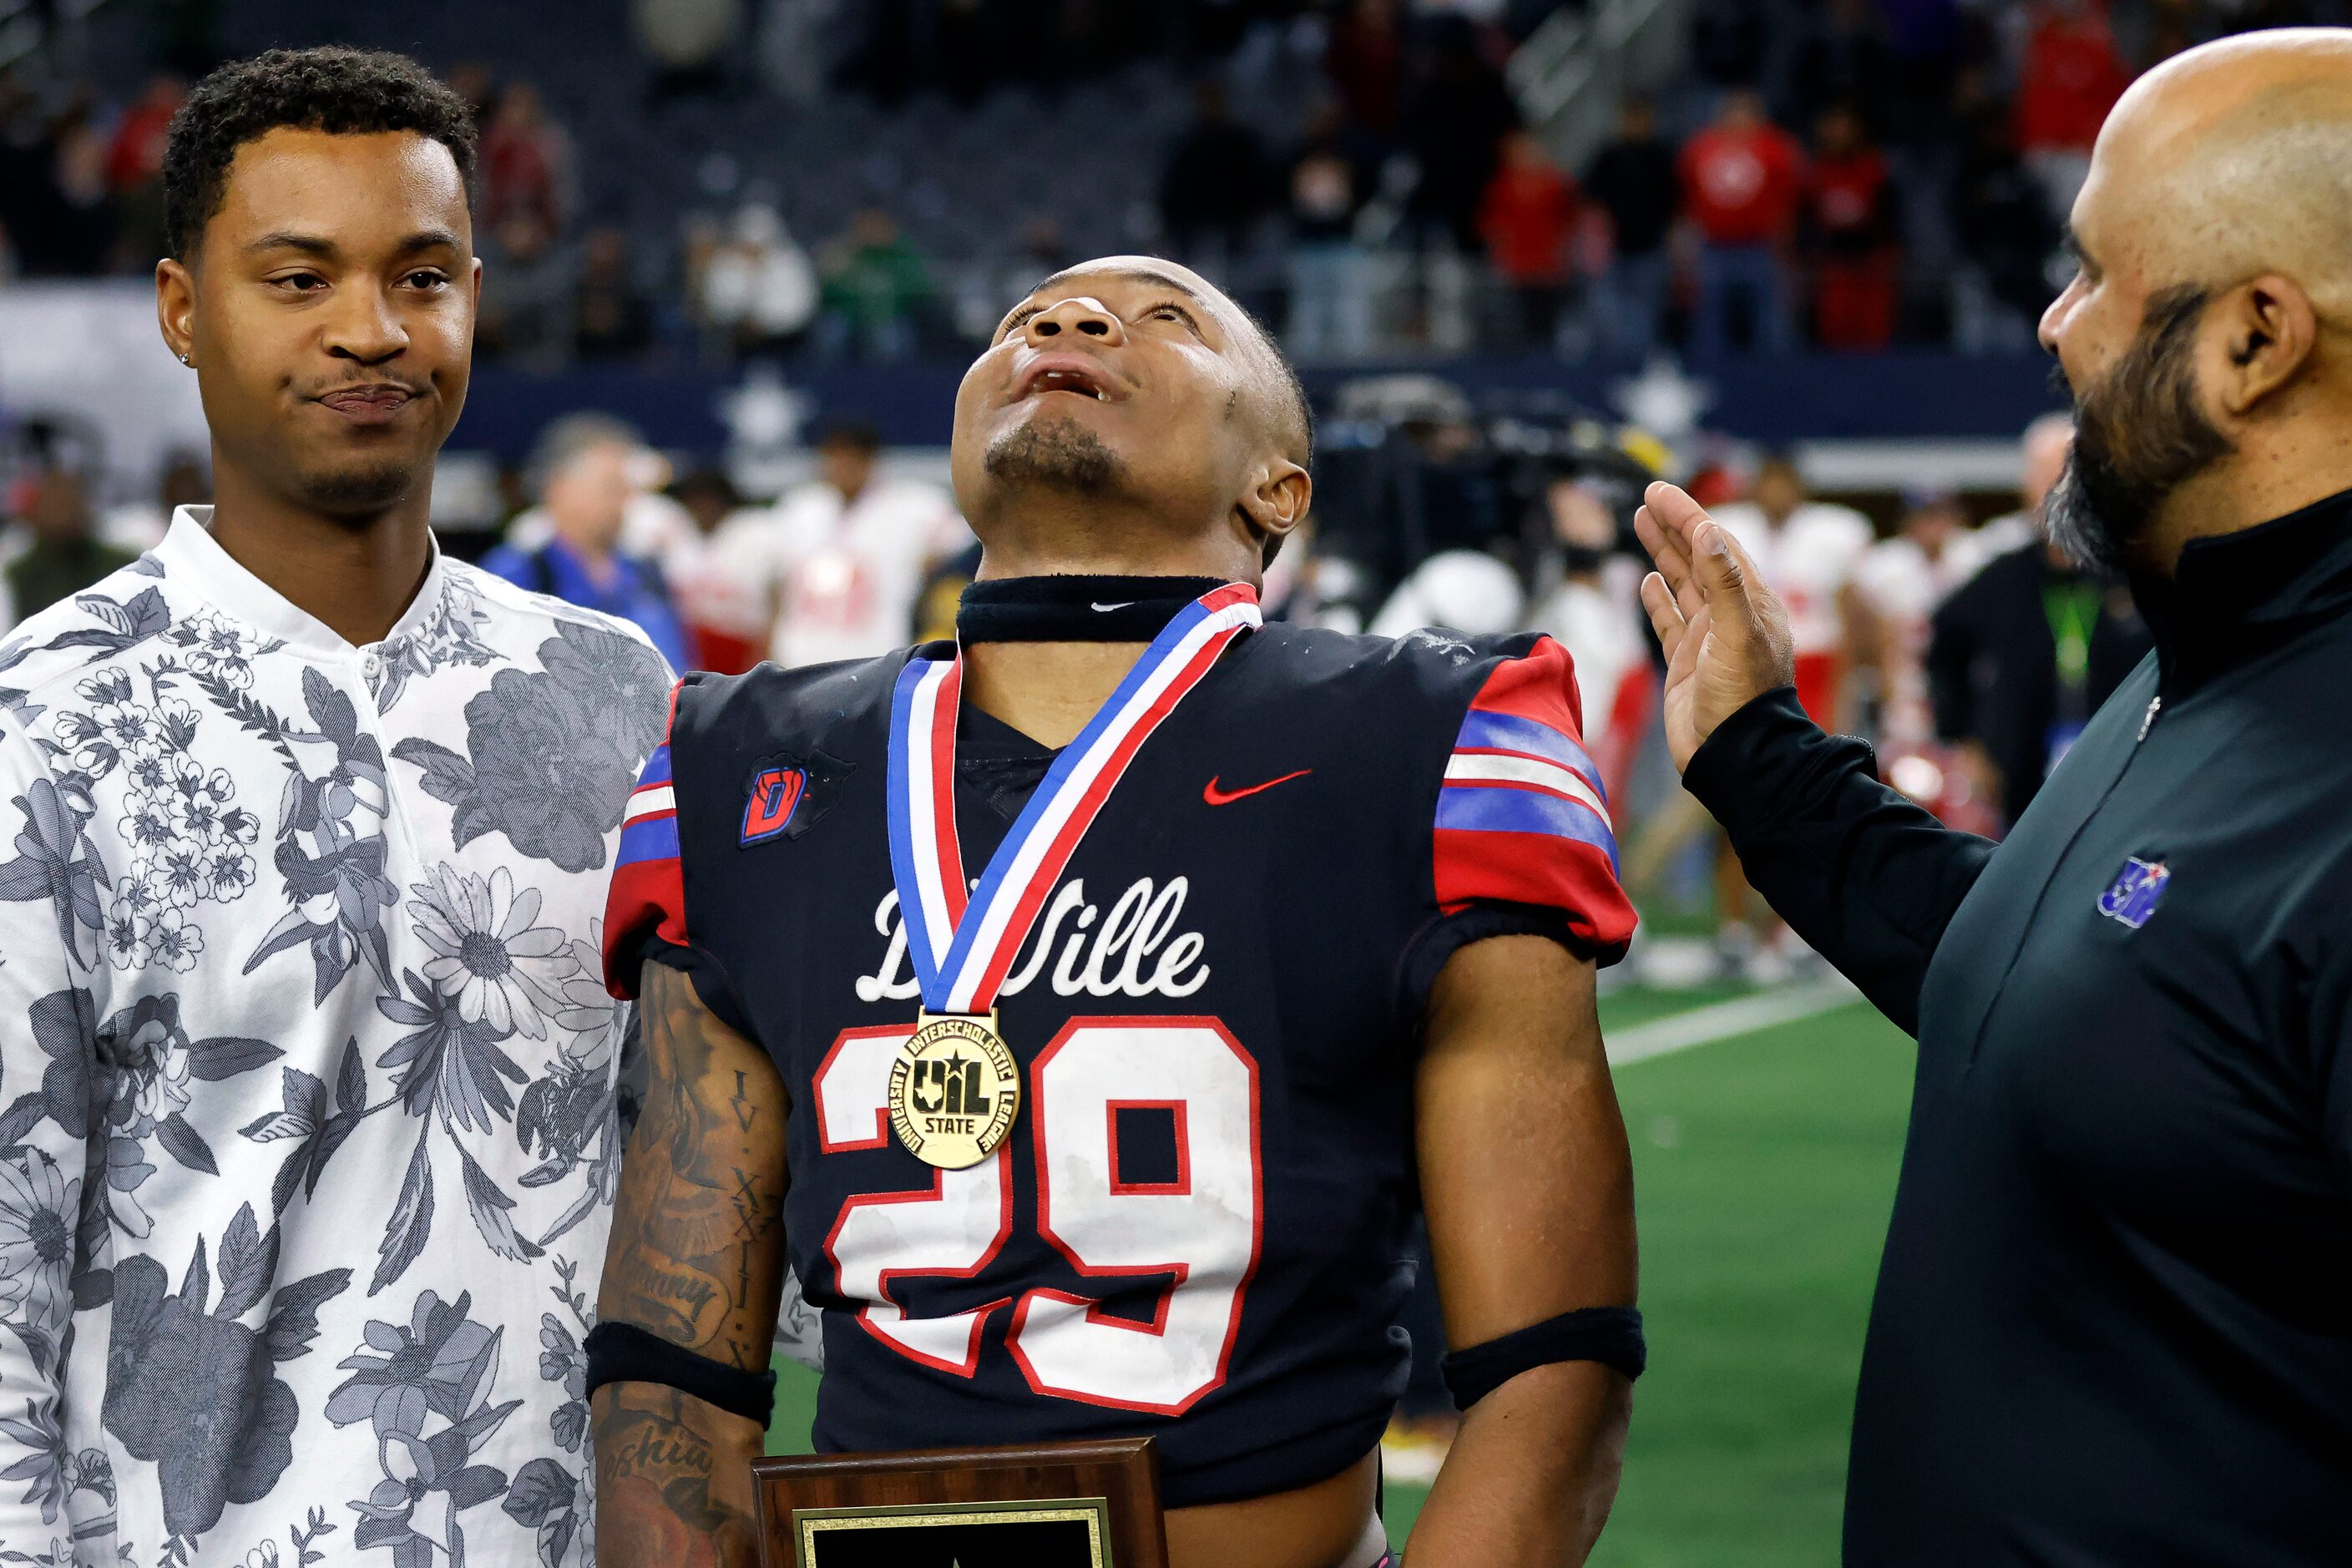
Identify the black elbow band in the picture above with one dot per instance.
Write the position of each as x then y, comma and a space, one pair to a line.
1610, 1335
623, 1352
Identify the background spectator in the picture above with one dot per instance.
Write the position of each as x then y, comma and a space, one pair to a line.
2019, 660
1635, 181
875, 283
721, 568
1742, 178
1528, 220
1215, 184
526, 163
2069, 78
60, 553
1330, 298
1600, 624
852, 549
613, 320
1850, 236
529, 283
1903, 581
758, 290
1807, 550
588, 481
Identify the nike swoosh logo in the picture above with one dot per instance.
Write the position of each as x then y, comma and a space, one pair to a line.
1106, 609
1216, 796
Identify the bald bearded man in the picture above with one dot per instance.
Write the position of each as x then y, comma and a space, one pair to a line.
2113, 1320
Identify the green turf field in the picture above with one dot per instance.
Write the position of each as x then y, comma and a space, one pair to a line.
1764, 1166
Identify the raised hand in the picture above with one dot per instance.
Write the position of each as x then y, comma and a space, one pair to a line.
1725, 633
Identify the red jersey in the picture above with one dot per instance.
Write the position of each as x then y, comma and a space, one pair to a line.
1742, 187
2070, 77
1529, 218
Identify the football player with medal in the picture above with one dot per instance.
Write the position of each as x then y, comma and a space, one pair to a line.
1368, 883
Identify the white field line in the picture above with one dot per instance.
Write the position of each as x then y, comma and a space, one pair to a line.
1741, 1016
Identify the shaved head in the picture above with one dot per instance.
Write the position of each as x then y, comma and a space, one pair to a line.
2238, 156
2207, 334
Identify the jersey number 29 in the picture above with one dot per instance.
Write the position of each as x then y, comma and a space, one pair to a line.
1204, 1229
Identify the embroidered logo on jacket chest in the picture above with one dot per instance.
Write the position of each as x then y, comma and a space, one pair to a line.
2137, 889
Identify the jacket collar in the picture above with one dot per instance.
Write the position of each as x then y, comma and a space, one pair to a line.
2236, 595
193, 558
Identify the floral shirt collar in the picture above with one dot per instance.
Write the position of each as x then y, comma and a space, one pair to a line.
190, 555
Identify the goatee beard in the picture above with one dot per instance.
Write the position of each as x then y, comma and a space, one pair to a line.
2139, 435
1059, 454
357, 495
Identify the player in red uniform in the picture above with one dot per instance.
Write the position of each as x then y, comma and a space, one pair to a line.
1244, 939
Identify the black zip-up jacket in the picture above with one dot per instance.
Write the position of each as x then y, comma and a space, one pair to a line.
2114, 1319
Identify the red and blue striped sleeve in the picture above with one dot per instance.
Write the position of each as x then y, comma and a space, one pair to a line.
1522, 816
647, 897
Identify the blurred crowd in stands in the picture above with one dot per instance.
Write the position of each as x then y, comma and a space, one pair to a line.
1841, 174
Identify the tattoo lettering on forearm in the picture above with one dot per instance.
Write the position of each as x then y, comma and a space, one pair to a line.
682, 1305
697, 1257
650, 1449
672, 1489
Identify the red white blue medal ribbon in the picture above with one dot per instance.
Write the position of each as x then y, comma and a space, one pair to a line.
963, 948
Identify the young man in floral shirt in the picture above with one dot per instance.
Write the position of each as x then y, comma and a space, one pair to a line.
308, 1078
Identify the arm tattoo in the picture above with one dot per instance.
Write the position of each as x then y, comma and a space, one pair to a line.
696, 1258
673, 1481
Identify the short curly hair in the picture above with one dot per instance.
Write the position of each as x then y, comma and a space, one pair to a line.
345, 93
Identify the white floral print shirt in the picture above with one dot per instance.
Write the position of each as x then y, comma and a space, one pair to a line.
308, 1082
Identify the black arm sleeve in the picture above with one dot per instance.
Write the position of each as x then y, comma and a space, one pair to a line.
1867, 877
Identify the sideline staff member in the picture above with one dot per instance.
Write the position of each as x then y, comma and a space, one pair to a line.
2113, 1320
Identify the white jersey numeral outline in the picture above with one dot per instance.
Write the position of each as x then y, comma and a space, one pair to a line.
953, 1230
1204, 1231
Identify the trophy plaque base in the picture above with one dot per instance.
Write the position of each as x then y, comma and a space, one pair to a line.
1048, 1505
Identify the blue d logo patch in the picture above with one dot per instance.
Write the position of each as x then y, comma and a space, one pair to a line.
2137, 889
774, 795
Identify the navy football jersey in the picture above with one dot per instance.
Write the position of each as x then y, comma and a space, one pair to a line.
1195, 1228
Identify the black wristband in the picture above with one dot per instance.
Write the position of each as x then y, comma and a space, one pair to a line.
1610, 1335
623, 1352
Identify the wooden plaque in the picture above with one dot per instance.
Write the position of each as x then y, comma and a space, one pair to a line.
1048, 1505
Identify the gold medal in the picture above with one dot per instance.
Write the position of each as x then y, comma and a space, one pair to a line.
954, 1091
